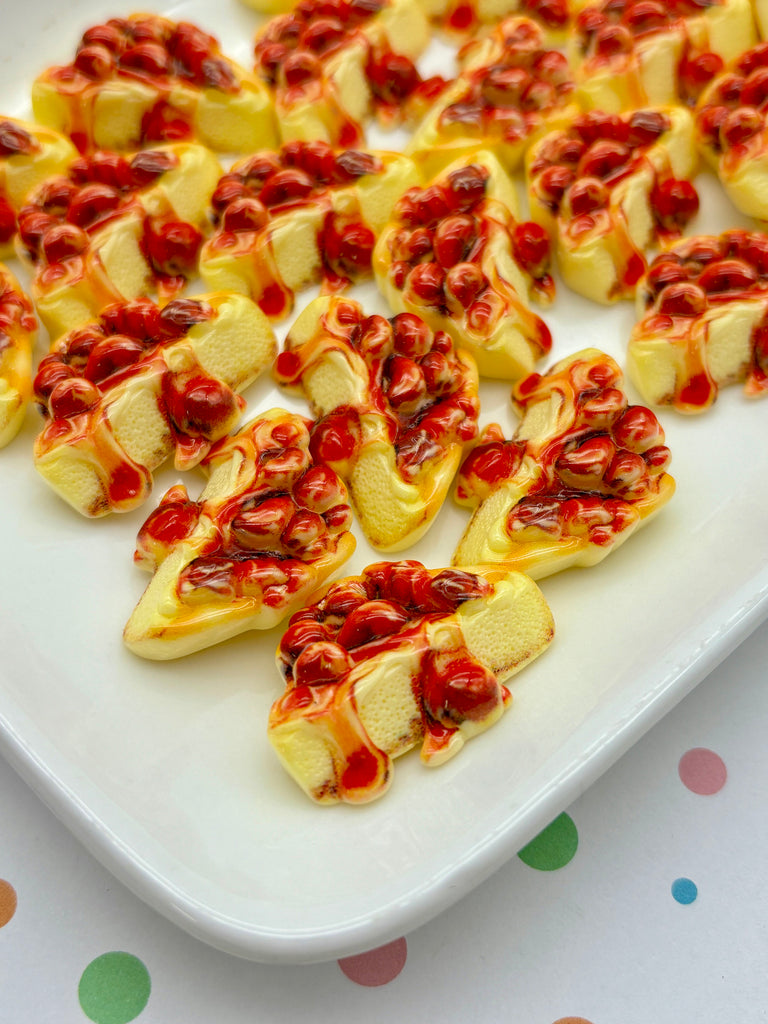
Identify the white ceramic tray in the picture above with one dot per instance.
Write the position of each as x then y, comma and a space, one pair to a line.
164, 770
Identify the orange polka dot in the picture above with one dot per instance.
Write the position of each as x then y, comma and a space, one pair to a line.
572, 1020
7, 902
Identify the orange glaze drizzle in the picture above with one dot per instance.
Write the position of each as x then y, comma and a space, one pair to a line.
359, 619
423, 393
698, 275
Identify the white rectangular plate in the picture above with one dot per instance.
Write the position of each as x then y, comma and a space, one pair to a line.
164, 770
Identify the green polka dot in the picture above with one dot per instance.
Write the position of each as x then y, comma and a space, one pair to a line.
114, 988
552, 848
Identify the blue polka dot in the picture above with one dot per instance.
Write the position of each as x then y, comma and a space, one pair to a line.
684, 890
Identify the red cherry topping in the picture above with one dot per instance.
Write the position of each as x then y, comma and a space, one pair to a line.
370, 621
393, 77
457, 688
645, 127
674, 202
63, 241
71, 397
467, 187
14, 140
91, 203
146, 167
172, 247
682, 299
530, 243
726, 276
95, 60
588, 195
453, 239
739, 126
50, 371
465, 281
245, 214
603, 158
553, 183
284, 186
320, 663
426, 283
201, 407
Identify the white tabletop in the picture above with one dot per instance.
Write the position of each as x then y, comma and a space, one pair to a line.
656, 913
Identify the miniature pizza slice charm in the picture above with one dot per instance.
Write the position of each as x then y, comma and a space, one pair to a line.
732, 134
631, 55
455, 255
28, 155
584, 470
331, 66
116, 227
18, 332
395, 403
473, 18
608, 188
307, 213
143, 80
268, 529
396, 657
510, 90
704, 321
125, 392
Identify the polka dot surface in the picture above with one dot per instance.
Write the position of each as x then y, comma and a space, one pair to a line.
7, 902
553, 847
684, 890
377, 966
702, 771
114, 988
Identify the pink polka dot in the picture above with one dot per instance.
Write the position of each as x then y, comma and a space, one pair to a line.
378, 966
7, 902
702, 771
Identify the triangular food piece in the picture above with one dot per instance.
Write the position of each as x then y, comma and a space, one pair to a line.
608, 188
457, 256
732, 131
268, 529
631, 55
394, 658
116, 227
331, 66
509, 91
28, 155
18, 332
583, 472
125, 392
395, 404
302, 215
704, 321
144, 79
